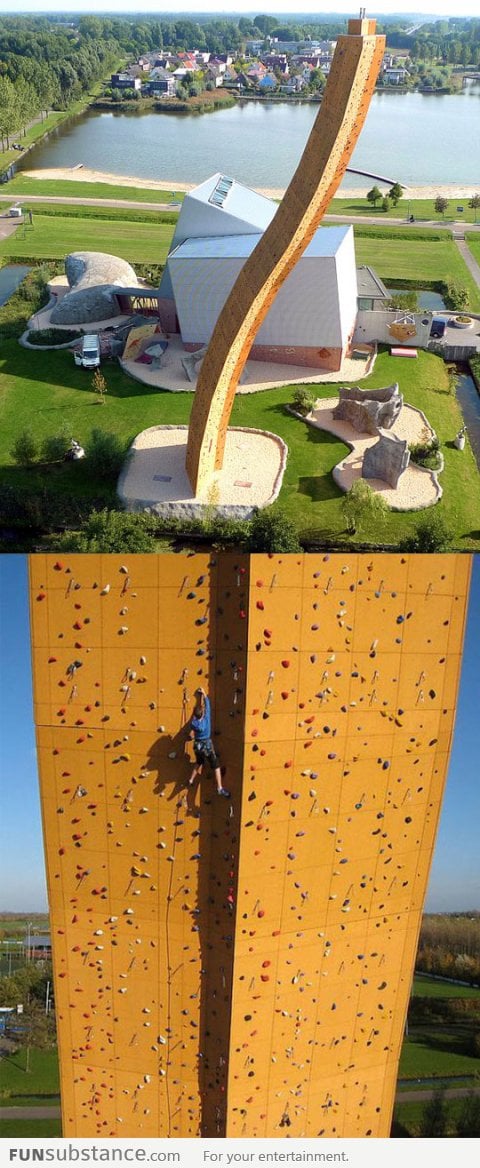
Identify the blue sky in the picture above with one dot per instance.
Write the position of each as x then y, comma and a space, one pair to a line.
276, 7
455, 878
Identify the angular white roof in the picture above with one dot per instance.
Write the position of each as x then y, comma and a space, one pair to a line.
324, 244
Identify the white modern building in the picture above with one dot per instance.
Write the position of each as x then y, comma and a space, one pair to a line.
312, 319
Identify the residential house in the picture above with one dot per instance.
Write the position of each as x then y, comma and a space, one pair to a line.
214, 75
395, 76
125, 81
268, 83
162, 83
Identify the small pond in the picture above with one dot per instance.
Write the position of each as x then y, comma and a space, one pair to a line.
426, 299
10, 278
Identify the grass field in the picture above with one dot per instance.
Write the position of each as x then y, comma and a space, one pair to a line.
408, 1116
50, 388
23, 185
416, 259
52, 237
474, 244
41, 1082
423, 210
147, 240
435, 1051
33, 1129
427, 987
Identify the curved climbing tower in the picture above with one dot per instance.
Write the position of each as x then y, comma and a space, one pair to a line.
342, 113
240, 967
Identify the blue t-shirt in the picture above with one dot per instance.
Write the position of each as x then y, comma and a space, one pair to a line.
202, 726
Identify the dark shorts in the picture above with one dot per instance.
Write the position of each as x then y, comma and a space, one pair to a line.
205, 752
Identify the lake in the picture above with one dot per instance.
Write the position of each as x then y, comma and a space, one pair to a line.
417, 139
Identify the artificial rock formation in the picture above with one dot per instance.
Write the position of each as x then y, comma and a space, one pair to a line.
342, 112
368, 411
241, 967
95, 280
387, 460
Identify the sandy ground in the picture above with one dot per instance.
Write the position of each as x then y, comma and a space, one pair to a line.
84, 174
417, 488
258, 374
155, 473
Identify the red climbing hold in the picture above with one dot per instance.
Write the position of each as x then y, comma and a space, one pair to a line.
41, 595
284, 695
285, 664
260, 605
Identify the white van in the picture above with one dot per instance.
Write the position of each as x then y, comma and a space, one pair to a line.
89, 355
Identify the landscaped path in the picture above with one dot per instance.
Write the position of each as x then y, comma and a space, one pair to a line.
29, 1113
469, 259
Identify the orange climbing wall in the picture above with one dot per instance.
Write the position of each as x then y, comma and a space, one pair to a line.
342, 113
240, 968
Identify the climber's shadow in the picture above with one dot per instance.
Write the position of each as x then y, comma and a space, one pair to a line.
169, 759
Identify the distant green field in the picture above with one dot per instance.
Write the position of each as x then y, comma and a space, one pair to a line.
22, 185
42, 1078
435, 1051
30, 1128
416, 259
428, 987
53, 237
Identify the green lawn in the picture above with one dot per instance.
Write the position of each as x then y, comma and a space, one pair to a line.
416, 259
30, 1128
423, 210
41, 1080
407, 1117
47, 389
23, 185
435, 1051
474, 244
52, 237
427, 987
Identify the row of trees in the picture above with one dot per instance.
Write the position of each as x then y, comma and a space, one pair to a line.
450, 947
44, 69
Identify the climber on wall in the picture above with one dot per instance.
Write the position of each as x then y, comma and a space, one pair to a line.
199, 729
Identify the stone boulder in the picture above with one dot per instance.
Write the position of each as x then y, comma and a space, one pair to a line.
369, 411
95, 280
386, 460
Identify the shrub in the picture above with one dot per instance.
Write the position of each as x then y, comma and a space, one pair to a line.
303, 400
54, 448
455, 295
53, 336
105, 454
25, 451
111, 531
271, 531
432, 535
425, 453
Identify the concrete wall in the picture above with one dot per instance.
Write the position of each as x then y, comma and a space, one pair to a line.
373, 325
240, 967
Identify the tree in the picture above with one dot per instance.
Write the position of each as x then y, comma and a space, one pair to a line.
105, 454
474, 203
404, 301
385, 203
271, 531
25, 450
468, 1122
456, 296
374, 196
99, 385
432, 535
395, 193
434, 1117
441, 204
362, 505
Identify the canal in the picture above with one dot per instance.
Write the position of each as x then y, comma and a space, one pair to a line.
10, 278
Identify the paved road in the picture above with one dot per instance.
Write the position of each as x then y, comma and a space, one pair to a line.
29, 1113
375, 220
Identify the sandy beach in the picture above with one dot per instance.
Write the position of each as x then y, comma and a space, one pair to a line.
84, 174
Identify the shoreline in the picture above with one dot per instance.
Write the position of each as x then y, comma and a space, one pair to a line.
82, 173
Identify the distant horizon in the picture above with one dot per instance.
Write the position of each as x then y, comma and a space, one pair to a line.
433, 9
